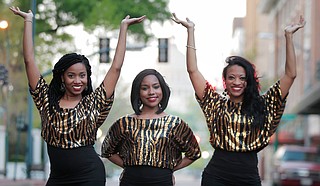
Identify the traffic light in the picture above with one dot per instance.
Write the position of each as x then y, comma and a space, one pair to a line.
163, 49
3, 75
104, 50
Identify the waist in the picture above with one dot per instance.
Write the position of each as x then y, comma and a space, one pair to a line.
82, 163
147, 173
246, 161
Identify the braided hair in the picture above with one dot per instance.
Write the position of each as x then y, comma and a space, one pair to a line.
252, 104
67, 60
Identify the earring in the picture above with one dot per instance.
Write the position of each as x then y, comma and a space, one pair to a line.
160, 106
86, 89
63, 87
139, 103
225, 93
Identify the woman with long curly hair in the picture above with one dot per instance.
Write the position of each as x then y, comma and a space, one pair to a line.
241, 122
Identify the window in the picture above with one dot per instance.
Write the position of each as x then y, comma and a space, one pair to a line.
104, 50
163, 49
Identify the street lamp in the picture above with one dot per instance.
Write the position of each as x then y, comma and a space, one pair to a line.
4, 26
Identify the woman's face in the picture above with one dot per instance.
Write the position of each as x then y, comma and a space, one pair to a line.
75, 79
236, 82
150, 92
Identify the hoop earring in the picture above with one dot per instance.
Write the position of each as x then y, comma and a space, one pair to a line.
139, 104
160, 106
63, 87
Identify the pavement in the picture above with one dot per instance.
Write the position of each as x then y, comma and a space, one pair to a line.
181, 181
22, 182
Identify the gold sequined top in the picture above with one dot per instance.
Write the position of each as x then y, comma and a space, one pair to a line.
71, 127
156, 142
230, 130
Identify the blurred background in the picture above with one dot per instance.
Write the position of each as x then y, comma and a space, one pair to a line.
250, 28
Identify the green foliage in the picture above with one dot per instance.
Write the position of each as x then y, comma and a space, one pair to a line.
52, 15
109, 13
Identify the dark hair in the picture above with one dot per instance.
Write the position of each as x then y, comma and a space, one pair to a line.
67, 60
135, 90
252, 104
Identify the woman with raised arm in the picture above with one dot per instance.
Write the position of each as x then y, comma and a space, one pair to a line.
241, 121
71, 111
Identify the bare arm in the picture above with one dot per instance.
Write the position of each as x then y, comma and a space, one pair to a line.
290, 67
116, 160
184, 163
113, 73
196, 77
32, 70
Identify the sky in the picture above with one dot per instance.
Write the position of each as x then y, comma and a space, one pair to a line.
213, 30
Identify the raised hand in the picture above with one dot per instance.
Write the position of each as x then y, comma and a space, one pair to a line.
26, 15
130, 21
290, 29
188, 23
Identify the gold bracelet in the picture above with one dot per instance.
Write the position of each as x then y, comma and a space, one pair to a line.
189, 46
28, 21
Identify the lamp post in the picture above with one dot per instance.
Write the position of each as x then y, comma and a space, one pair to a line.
4, 26
30, 108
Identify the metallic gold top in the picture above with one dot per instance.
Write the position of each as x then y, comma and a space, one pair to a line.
230, 130
73, 127
156, 142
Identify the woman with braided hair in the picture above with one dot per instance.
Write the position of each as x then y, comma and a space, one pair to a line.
71, 111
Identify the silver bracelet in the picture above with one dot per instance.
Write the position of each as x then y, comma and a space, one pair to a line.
189, 46
28, 21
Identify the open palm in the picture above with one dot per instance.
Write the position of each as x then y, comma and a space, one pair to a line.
25, 15
294, 27
188, 23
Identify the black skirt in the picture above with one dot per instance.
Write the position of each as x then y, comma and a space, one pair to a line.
232, 169
79, 166
146, 176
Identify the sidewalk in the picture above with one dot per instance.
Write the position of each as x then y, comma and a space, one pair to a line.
9, 182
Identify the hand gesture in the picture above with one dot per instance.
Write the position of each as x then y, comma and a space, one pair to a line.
130, 21
290, 29
188, 23
26, 15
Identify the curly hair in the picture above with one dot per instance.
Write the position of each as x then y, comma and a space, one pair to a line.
67, 60
135, 90
252, 104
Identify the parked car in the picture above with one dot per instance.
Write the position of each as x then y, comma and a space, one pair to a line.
296, 165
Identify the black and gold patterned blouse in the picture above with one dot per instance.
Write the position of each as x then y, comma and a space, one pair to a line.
71, 127
156, 142
230, 130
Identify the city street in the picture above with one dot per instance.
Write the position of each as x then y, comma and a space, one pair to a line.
181, 180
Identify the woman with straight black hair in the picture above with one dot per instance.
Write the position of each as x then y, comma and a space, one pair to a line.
71, 112
241, 122
149, 144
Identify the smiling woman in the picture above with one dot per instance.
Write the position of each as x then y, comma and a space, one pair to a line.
71, 111
242, 121
149, 144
